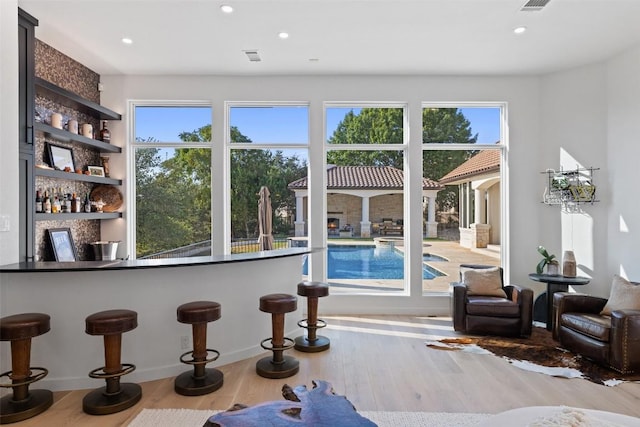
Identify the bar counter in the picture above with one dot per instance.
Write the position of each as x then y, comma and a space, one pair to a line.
69, 292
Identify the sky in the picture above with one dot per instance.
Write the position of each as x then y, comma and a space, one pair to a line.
277, 125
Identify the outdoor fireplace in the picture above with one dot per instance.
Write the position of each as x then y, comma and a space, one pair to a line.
333, 226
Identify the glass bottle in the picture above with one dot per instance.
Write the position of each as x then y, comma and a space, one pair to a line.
47, 203
105, 134
39, 207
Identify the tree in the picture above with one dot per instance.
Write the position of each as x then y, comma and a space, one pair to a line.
384, 126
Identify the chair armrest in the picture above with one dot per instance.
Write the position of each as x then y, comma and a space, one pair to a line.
625, 340
524, 297
459, 310
567, 302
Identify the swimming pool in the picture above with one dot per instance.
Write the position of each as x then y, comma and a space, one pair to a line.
368, 262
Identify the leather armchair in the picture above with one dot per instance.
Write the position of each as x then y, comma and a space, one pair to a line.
612, 341
491, 315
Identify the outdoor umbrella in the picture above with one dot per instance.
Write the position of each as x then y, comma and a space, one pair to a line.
265, 220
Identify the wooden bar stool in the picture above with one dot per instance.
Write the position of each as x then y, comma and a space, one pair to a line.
114, 397
201, 380
312, 343
22, 403
278, 366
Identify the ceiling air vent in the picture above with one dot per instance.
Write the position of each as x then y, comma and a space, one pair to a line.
253, 55
535, 5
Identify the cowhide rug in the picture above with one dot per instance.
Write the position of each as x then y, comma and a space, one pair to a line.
539, 353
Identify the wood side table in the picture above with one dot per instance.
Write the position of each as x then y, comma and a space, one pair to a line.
556, 283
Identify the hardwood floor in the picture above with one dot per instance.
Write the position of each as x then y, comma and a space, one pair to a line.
380, 363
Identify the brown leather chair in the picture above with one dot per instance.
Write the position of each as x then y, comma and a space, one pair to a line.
612, 341
492, 315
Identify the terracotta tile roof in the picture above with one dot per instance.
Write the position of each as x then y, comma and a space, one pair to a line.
364, 177
481, 163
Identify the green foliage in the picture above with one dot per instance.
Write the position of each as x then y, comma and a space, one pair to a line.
546, 259
384, 126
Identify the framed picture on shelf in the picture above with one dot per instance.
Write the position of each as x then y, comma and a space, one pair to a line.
62, 244
96, 170
61, 158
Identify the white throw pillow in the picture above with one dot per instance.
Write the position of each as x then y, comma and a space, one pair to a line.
485, 281
624, 295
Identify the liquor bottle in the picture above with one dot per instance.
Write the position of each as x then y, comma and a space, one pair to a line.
55, 206
39, 207
74, 203
105, 134
47, 203
87, 204
67, 201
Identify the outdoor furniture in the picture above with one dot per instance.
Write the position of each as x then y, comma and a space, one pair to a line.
200, 380
388, 226
279, 365
312, 343
609, 337
483, 305
22, 403
114, 397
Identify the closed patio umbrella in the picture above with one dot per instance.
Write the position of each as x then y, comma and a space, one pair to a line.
265, 220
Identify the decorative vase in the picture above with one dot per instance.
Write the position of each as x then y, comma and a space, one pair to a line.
568, 264
553, 268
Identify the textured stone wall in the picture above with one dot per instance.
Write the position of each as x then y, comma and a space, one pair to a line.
57, 68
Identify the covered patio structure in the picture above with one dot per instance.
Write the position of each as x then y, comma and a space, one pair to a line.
478, 180
360, 199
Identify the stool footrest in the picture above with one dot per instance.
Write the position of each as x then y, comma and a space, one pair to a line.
215, 356
127, 369
286, 346
304, 323
30, 379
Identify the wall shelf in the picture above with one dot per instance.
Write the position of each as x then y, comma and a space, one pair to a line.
66, 136
570, 187
72, 176
75, 216
71, 100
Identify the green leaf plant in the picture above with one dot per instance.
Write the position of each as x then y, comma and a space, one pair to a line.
546, 259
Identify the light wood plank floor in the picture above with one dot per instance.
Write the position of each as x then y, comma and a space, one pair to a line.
380, 363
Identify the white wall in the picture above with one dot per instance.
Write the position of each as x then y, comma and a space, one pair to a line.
9, 129
623, 133
574, 134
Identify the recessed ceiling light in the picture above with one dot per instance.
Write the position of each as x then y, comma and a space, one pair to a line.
283, 35
226, 8
519, 30
127, 40
314, 59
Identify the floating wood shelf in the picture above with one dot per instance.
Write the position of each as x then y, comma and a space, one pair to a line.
79, 215
63, 135
71, 176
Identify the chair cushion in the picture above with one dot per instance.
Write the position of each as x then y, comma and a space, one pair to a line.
484, 281
624, 295
591, 325
491, 306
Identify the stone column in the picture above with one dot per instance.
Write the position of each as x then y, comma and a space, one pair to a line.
432, 225
299, 223
480, 235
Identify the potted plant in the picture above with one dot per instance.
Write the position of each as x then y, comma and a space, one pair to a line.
548, 260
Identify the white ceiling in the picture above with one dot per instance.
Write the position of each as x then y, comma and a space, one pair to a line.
443, 37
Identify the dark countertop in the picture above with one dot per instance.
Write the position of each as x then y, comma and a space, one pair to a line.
36, 267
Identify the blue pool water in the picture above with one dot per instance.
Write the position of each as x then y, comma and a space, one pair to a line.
367, 262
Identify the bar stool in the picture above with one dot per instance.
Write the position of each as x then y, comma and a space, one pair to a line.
201, 380
22, 403
114, 397
278, 366
312, 343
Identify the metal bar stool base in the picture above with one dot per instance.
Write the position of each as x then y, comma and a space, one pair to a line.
99, 403
303, 344
267, 369
37, 402
187, 385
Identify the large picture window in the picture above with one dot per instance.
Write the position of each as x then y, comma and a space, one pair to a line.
171, 154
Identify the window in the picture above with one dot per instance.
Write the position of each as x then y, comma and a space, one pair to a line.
171, 154
268, 147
